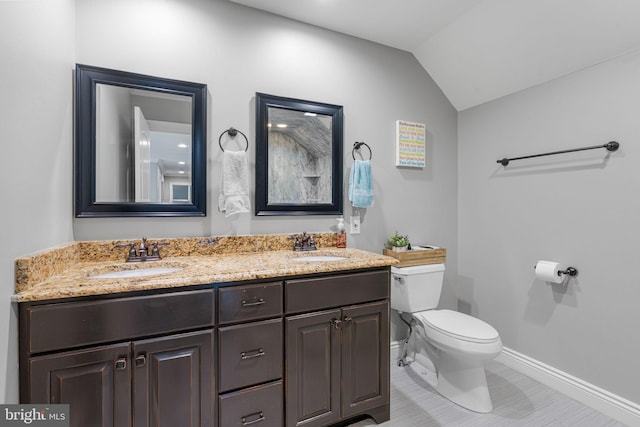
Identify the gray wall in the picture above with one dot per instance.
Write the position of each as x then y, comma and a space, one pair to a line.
578, 209
581, 209
36, 46
236, 51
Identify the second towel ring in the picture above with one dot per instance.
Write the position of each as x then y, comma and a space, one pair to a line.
232, 133
357, 145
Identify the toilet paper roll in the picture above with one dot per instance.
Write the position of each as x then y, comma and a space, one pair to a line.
548, 271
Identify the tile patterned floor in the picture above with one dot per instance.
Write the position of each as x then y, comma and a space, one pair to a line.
517, 400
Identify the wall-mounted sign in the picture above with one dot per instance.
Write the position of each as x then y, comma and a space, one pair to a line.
410, 144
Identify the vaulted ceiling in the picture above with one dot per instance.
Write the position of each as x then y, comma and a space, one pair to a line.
479, 50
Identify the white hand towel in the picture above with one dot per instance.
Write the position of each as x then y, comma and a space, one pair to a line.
234, 184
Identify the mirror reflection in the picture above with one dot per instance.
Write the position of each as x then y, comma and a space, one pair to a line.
140, 145
300, 156
143, 146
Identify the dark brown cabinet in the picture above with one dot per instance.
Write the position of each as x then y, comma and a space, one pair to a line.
166, 376
172, 381
311, 351
164, 381
337, 360
260, 405
96, 383
365, 360
313, 369
250, 355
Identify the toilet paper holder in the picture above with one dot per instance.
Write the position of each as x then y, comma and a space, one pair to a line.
570, 271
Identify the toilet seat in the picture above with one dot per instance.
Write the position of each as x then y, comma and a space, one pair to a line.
458, 326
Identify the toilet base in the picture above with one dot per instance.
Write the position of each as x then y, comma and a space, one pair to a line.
464, 385
458, 377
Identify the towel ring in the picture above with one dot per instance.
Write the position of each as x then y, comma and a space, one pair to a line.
232, 133
357, 145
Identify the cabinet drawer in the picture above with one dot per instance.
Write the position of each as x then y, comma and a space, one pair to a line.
334, 291
250, 354
75, 324
250, 302
260, 405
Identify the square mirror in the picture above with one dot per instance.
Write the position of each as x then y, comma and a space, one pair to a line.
298, 157
140, 145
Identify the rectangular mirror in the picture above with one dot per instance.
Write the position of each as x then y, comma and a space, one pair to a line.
298, 157
140, 145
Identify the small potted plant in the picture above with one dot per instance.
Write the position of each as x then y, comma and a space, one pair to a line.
398, 243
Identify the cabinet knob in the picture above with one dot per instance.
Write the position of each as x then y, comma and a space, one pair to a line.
337, 323
141, 360
347, 320
121, 364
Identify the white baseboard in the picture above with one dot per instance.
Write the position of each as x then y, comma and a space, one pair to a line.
612, 405
395, 349
601, 400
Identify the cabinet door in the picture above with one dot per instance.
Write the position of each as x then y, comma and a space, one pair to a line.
94, 382
313, 369
173, 381
365, 357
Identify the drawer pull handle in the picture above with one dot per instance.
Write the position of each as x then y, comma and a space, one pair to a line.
121, 364
259, 417
141, 360
254, 303
251, 354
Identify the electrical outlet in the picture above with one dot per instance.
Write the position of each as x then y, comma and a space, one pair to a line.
355, 224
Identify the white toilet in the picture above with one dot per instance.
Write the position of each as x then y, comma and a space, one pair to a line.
446, 348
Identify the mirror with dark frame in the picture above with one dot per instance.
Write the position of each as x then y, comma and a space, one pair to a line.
298, 157
140, 145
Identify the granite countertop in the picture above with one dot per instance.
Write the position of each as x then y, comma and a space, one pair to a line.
75, 280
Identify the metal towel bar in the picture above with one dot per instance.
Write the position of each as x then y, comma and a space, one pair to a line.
610, 146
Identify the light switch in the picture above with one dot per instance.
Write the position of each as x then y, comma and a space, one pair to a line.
355, 224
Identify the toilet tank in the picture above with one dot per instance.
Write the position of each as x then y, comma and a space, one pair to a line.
416, 288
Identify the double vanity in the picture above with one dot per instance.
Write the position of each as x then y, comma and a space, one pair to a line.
232, 331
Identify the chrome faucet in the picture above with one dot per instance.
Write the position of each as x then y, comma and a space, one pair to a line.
304, 242
143, 251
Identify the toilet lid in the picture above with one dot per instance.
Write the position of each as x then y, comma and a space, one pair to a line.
458, 325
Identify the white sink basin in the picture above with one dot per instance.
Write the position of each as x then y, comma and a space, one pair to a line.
319, 258
139, 272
